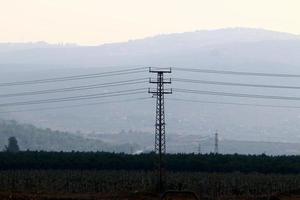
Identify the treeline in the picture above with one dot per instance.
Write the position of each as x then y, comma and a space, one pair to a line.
174, 162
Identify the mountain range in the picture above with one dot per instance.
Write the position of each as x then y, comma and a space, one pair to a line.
235, 49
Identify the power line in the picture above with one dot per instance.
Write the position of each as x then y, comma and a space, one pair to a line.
233, 83
80, 97
212, 71
77, 77
231, 103
77, 105
78, 88
236, 94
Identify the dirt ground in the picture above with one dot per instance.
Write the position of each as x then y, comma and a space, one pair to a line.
26, 196
294, 195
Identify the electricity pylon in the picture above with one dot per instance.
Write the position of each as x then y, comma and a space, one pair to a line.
160, 137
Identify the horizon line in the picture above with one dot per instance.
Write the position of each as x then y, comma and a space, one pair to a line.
76, 44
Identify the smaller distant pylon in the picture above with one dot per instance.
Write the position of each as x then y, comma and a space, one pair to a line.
216, 142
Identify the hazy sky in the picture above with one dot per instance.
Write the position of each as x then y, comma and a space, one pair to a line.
104, 21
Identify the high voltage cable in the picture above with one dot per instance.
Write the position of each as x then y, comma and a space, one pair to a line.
77, 77
77, 105
76, 88
212, 71
233, 83
231, 103
235, 94
76, 98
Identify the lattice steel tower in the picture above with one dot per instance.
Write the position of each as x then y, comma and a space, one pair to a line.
216, 143
160, 137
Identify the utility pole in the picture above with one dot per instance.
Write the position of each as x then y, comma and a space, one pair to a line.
216, 143
160, 137
199, 148
131, 150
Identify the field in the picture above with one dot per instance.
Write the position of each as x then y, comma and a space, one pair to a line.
102, 184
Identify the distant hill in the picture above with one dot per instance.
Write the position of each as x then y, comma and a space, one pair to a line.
237, 49
31, 138
7, 47
190, 144
215, 48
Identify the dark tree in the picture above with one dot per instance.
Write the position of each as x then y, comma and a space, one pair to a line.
12, 145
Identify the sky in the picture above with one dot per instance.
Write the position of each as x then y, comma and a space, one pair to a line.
92, 22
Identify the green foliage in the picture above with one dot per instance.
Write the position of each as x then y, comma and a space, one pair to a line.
12, 146
174, 162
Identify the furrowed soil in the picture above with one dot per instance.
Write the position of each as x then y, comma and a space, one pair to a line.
134, 185
138, 196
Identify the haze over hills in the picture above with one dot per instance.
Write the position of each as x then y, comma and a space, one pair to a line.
239, 49
36, 139
216, 48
